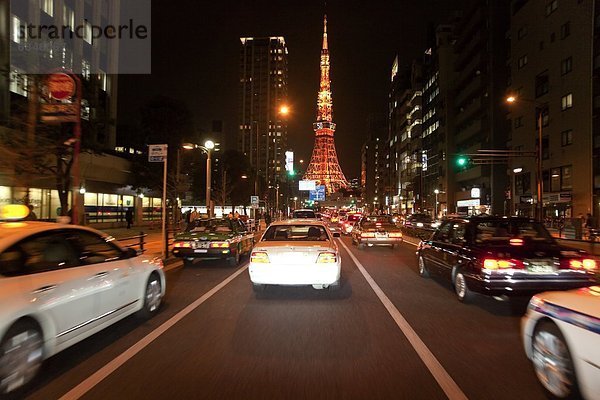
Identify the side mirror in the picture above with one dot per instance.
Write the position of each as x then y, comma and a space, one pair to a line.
336, 234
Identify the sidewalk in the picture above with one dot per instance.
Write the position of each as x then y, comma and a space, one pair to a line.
152, 241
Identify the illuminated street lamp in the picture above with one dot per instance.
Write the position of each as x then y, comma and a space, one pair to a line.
539, 182
437, 192
209, 145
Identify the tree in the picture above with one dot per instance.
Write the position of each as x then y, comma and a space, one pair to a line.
230, 186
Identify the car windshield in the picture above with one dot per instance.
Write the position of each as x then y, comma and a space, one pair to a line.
296, 233
304, 214
504, 230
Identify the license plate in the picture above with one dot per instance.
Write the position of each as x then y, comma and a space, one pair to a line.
381, 235
540, 268
200, 251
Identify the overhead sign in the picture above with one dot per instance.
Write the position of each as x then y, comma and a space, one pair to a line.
157, 152
307, 185
60, 86
318, 194
475, 193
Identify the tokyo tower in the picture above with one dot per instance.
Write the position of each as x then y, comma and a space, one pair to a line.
324, 167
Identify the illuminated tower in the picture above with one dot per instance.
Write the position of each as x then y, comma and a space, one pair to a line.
324, 167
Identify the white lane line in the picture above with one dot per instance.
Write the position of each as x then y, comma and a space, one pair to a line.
88, 384
433, 365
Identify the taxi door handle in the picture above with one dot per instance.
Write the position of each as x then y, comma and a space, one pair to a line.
101, 274
44, 289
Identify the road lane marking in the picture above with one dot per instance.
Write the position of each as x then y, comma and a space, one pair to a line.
442, 377
93, 380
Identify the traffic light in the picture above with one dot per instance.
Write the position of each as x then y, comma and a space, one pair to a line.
462, 161
291, 172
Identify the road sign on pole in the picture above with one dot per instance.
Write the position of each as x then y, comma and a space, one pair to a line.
157, 152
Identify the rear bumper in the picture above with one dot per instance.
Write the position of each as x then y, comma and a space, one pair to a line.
380, 242
275, 274
202, 253
526, 285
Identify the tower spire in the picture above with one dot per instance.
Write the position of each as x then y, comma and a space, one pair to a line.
325, 46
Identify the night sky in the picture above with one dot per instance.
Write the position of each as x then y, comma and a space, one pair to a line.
195, 58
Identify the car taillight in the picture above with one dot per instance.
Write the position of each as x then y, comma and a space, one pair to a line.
395, 234
259, 257
516, 242
495, 264
182, 244
367, 234
586, 264
219, 245
326, 258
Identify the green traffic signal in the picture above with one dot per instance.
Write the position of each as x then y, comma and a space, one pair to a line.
291, 172
461, 161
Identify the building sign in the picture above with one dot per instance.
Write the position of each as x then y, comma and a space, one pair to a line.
563, 197
289, 161
157, 152
475, 193
424, 160
468, 203
307, 185
254, 200
318, 194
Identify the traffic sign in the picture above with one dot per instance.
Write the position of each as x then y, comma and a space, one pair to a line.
254, 200
60, 86
157, 152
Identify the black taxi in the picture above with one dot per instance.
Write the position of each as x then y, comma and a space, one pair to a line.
499, 256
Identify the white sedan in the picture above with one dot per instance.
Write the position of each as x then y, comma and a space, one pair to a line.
561, 334
296, 252
60, 284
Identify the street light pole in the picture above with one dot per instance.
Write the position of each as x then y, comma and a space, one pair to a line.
208, 179
540, 183
436, 191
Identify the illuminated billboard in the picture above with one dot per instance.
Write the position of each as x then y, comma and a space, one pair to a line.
307, 185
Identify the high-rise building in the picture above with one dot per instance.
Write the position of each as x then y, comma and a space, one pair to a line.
374, 163
324, 167
479, 88
404, 140
438, 143
551, 73
263, 92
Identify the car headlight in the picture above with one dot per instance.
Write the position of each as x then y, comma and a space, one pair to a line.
419, 224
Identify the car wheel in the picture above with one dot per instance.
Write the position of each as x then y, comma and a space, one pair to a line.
21, 355
461, 288
188, 262
258, 287
361, 246
423, 271
552, 362
152, 297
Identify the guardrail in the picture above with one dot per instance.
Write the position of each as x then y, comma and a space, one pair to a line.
140, 241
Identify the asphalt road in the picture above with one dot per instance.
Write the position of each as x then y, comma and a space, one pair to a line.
386, 334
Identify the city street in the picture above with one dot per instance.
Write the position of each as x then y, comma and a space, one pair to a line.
215, 339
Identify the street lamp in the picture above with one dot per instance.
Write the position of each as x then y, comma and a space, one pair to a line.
436, 191
209, 145
539, 210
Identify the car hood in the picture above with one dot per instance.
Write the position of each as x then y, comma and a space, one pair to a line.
584, 300
202, 236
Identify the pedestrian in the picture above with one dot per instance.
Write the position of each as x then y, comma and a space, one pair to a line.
194, 215
129, 217
267, 219
31, 216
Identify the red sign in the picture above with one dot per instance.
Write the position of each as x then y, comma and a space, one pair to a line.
61, 86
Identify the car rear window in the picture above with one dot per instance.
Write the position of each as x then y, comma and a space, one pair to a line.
502, 230
353, 217
420, 218
304, 214
296, 233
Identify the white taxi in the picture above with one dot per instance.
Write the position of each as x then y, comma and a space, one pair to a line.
296, 252
561, 334
60, 284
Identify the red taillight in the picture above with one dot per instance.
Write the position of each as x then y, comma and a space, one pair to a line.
395, 234
587, 264
367, 235
496, 264
182, 244
516, 242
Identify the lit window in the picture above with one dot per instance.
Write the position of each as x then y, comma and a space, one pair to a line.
88, 32
68, 17
48, 7
566, 102
17, 36
18, 83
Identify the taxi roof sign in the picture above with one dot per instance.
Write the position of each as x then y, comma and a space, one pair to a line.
12, 212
